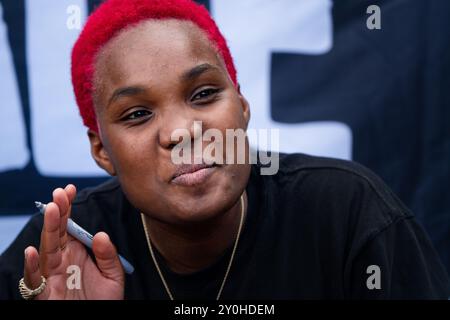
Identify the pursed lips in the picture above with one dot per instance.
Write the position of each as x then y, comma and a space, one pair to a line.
192, 174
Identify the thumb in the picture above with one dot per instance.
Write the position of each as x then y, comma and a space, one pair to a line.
107, 258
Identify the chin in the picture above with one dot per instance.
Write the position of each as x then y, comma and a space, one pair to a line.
195, 211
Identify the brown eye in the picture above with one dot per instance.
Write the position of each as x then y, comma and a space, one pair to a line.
137, 114
204, 94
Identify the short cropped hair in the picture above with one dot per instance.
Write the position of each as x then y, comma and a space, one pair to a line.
114, 15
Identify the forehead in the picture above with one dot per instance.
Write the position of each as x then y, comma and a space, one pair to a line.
153, 50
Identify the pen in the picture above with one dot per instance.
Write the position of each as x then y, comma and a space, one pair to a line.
84, 237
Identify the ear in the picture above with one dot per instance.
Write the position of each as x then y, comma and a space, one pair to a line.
99, 153
245, 106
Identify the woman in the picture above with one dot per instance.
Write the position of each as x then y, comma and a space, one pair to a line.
318, 228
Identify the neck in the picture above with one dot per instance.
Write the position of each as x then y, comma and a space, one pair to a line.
189, 249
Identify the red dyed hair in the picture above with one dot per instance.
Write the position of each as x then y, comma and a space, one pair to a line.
114, 15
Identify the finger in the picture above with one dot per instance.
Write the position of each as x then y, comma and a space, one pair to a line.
107, 258
32, 273
71, 191
62, 201
49, 250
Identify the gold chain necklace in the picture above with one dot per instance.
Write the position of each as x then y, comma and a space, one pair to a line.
229, 263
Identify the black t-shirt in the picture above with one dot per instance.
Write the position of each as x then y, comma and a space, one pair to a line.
319, 228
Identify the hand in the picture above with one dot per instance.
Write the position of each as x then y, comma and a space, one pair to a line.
58, 250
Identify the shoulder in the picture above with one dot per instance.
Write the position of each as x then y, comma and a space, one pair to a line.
339, 178
101, 191
334, 191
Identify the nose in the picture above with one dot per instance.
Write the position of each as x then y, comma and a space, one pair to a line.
178, 126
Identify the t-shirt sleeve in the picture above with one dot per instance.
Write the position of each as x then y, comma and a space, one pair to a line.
12, 259
399, 262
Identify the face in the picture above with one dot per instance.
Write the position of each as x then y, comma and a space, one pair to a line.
150, 80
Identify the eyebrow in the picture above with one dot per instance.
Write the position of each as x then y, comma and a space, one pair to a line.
197, 71
126, 92
189, 75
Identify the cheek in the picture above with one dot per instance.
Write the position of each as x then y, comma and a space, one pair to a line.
227, 115
138, 170
134, 155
